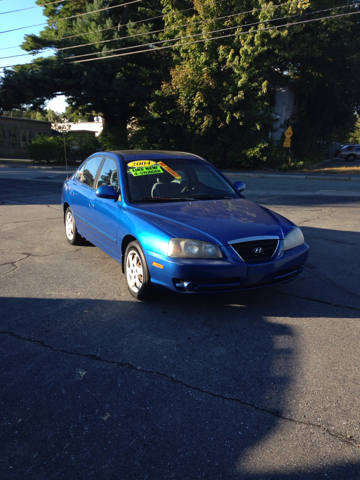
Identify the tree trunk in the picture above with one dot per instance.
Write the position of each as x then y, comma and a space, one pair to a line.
115, 133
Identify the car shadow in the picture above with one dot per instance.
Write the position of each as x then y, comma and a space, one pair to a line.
182, 387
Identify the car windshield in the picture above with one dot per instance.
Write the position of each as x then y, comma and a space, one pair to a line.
175, 180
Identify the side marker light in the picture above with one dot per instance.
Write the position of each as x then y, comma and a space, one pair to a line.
158, 265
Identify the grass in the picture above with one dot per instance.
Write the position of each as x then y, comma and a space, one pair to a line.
353, 170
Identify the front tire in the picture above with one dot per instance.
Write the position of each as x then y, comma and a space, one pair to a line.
72, 235
137, 272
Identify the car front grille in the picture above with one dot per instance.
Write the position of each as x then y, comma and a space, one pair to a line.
257, 250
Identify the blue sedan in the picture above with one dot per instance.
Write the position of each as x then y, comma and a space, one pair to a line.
174, 220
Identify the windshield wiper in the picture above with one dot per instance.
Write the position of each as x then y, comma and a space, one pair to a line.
163, 200
210, 197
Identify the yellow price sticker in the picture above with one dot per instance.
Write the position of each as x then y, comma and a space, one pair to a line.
139, 171
170, 170
142, 163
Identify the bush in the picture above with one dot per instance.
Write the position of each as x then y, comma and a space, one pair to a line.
47, 149
81, 146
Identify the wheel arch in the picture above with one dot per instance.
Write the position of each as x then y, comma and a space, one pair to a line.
126, 240
65, 207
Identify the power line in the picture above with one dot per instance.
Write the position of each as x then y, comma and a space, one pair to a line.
23, 28
158, 31
251, 32
104, 29
73, 16
162, 30
22, 55
133, 23
139, 21
151, 44
197, 23
142, 21
207, 33
175, 27
30, 8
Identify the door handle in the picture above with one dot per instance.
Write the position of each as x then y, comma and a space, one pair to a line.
71, 192
91, 204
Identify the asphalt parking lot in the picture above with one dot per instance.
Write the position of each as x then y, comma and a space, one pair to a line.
254, 385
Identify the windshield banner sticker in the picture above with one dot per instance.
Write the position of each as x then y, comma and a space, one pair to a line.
142, 163
168, 169
145, 170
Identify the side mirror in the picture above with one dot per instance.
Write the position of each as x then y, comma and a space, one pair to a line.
107, 191
239, 186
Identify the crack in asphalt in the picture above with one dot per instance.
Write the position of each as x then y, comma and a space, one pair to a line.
325, 213
27, 255
171, 378
314, 237
324, 302
16, 267
20, 199
309, 220
31, 221
332, 281
58, 207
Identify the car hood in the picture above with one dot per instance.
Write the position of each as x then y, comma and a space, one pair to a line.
219, 221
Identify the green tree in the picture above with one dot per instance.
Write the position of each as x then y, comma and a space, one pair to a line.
79, 114
116, 88
213, 90
40, 114
354, 136
224, 89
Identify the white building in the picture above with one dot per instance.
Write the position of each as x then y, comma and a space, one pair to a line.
287, 105
80, 127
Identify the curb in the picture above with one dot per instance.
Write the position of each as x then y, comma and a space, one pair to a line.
294, 176
24, 164
319, 176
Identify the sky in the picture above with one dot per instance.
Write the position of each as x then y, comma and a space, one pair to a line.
10, 41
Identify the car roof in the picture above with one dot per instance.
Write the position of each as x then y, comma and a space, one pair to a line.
131, 155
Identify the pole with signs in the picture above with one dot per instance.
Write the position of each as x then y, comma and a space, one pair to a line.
287, 142
288, 134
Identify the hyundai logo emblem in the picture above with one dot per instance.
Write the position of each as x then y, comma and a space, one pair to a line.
258, 250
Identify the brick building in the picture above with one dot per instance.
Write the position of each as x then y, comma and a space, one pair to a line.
17, 133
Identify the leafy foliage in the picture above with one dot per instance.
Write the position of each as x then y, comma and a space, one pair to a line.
116, 89
213, 91
46, 149
224, 89
51, 149
354, 137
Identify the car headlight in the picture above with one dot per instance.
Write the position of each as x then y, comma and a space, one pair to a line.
294, 239
187, 248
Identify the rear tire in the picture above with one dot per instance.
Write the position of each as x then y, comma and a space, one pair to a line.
351, 157
72, 235
137, 272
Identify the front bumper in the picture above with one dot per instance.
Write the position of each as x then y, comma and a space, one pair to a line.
201, 276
